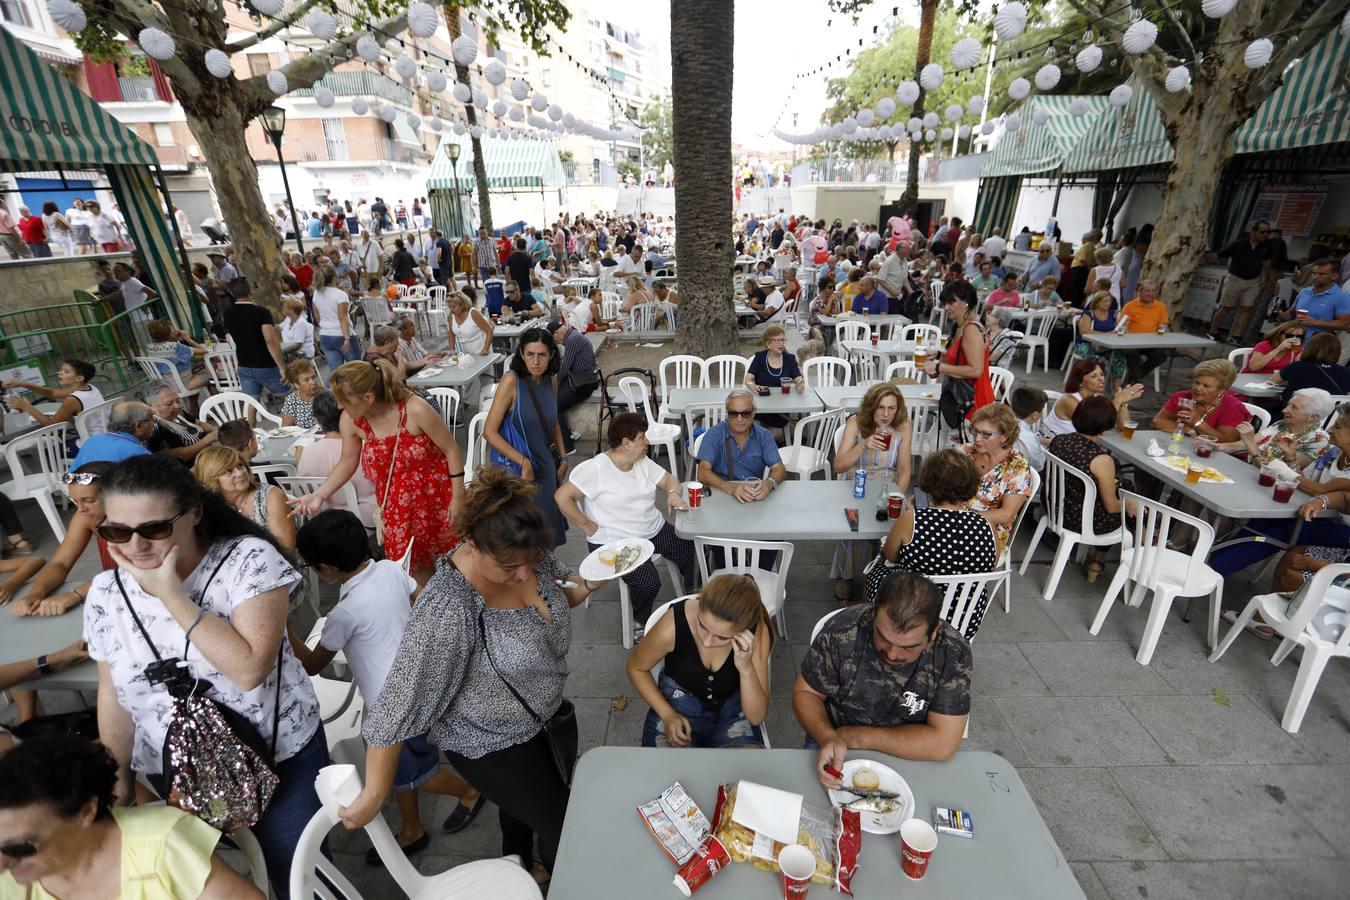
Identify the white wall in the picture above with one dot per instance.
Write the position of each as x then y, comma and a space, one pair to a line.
1038, 199
1142, 207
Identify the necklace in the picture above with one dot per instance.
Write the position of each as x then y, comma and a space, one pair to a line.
772, 371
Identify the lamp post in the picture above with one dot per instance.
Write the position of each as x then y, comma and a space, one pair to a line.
452, 151
274, 123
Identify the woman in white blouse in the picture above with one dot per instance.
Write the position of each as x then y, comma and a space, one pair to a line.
471, 329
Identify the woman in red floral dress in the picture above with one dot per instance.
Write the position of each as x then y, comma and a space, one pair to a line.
384, 425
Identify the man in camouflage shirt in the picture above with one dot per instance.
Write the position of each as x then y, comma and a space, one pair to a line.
891, 677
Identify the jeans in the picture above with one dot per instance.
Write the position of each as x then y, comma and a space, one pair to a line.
293, 805
568, 398
644, 582
1317, 533
709, 726
331, 345
253, 380
40, 249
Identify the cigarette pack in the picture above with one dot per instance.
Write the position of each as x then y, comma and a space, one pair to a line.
953, 821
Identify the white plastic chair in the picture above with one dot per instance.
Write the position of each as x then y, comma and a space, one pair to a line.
304, 485
1240, 356
609, 305
706, 417
852, 330
1037, 336
341, 708
48, 444
436, 311
726, 370
901, 369
1147, 564
634, 391
475, 447
626, 599
930, 333
222, 370
643, 316
820, 623
163, 369
1002, 381
230, 405
1312, 626
927, 425
447, 399
94, 420
867, 363
742, 558
1057, 474
405, 561
1005, 561
500, 879
679, 371
377, 312
963, 594
827, 371
809, 451
1261, 416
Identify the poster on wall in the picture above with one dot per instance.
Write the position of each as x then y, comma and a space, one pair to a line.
1202, 295
1291, 208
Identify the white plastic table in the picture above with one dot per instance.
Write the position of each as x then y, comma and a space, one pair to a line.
606, 850
454, 376
850, 397
794, 511
873, 320
890, 348
28, 637
1172, 341
1257, 386
774, 402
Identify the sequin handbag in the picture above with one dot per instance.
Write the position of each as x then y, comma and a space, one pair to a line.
215, 763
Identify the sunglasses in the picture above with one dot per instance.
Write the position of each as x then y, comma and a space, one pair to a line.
740, 413
19, 850
151, 531
81, 478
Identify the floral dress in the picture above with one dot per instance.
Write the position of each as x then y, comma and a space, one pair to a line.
418, 500
1012, 476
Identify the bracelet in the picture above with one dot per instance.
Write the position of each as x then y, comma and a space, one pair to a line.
43, 667
459, 474
1326, 503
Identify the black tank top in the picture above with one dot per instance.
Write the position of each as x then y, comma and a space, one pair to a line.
686, 668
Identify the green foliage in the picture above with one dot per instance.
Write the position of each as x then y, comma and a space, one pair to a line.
532, 20
566, 156
657, 137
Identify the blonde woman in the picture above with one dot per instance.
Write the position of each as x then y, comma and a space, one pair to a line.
225, 470
471, 329
637, 294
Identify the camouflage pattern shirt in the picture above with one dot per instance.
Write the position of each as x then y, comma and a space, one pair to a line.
861, 688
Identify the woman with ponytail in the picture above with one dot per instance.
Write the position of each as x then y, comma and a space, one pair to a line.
402, 445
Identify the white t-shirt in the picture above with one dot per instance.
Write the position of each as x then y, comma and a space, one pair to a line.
368, 622
103, 228
774, 302
252, 568
133, 293
995, 245
621, 503
326, 302
299, 332
626, 266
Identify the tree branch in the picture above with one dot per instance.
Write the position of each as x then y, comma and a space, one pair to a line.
1181, 30
1313, 29
278, 25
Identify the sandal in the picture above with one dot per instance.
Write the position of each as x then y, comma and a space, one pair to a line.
1094, 569
1264, 632
18, 545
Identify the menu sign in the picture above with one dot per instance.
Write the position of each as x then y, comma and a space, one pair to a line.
1291, 208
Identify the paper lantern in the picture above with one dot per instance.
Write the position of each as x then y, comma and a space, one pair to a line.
976, 105
953, 113
414, 121
930, 77
987, 127
1139, 36
946, 134
885, 108
494, 73
1013, 122
368, 48
360, 107
916, 136
422, 19
569, 121
480, 98
499, 108
218, 63
914, 124
461, 92
1079, 107
156, 44
436, 81
555, 112
866, 117
963, 131
1121, 94
435, 124
931, 120
321, 24
966, 53
515, 114
405, 67
1178, 79
1019, 88
930, 135
519, 89
885, 132
1258, 53
388, 114
464, 49
323, 96
1040, 116
1088, 59
459, 128
476, 132
68, 15
1047, 76
907, 92
539, 102
1011, 21
267, 7
277, 82
849, 125
1217, 8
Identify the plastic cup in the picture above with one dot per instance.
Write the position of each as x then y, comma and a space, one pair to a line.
876, 338
895, 504
1204, 448
695, 494
707, 861
1127, 429
920, 358
797, 864
1193, 472
785, 384
918, 840
1284, 488
1266, 478
885, 435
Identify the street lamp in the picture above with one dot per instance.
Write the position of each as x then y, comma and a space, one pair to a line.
274, 123
452, 151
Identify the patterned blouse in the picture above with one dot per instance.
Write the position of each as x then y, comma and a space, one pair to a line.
441, 681
1012, 476
1312, 442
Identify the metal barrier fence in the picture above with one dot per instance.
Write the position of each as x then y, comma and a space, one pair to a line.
43, 336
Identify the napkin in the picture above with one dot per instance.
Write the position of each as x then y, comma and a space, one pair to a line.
768, 811
1282, 469
1153, 448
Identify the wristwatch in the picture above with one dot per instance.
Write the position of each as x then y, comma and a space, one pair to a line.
43, 667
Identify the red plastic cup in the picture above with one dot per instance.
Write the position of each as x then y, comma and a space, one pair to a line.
1284, 489
785, 384
895, 504
695, 494
709, 859
1267, 477
876, 338
1204, 448
797, 864
918, 840
885, 435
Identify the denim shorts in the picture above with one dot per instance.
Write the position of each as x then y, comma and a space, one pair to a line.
418, 761
253, 380
709, 726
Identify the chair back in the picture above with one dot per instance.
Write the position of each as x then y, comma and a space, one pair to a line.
609, 304
475, 447
644, 316
651, 623
1041, 324
726, 370
447, 400
1146, 535
681, 371
901, 369
1057, 475
827, 371
49, 445
867, 363
1002, 381
376, 310
926, 425
405, 561
222, 368
852, 330
304, 485
94, 420
1022, 514
931, 334
1260, 418
963, 595
817, 430
1240, 356
743, 557
224, 407
163, 369
820, 623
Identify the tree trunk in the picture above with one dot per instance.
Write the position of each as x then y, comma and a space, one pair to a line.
451, 11
701, 42
909, 200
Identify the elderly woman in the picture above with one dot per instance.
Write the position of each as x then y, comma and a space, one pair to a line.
188, 562
1082, 448
482, 668
471, 329
298, 407
1296, 439
611, 497
1209, 408
946, 537
1086, 379
880, 439
384, 346
1005, 475
1002, 340
63, 836
770, 367
225, 470
175, 434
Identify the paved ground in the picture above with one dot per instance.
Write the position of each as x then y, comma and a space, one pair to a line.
1168, 781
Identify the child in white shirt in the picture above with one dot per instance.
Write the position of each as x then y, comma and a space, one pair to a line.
1028, 404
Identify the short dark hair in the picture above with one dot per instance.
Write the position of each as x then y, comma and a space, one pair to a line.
327, 412
235, 434
909, 599
536, 335
1094, 415
62, 771
625, 426
239, 287
1026, 400
83, 369
334, 537
1323, 347
1081, 370
959, 290
949, 476
1324, 261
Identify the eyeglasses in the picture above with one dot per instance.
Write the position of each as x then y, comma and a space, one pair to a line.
740, 413
987, 435
19, 850
81, 478
151, 531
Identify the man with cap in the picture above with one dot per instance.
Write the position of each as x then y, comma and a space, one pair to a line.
770, 309
225, 271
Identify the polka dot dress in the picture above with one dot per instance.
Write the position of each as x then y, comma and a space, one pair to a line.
951, 542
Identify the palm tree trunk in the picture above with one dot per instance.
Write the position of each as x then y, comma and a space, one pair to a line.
701, 42
451, 11
909, 200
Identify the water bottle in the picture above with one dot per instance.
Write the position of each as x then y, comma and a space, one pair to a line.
860, 483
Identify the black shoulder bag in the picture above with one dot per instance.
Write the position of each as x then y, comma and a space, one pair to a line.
560, 730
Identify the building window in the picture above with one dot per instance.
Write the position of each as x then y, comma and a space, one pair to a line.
259, 64
15, 12
546, 75
163, 135
335, 138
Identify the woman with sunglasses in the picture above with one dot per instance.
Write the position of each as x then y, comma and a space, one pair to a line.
62, 836
210, 587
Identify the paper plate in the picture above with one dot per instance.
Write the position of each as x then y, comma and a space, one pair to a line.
878, 823
592, 569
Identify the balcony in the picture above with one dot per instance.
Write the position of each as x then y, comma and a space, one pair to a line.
360, 84
354, 150
137, 90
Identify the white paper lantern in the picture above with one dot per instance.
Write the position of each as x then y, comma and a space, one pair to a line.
976, 105
1019, 89
277, 82
323, 96
1178, 79
1047, 76
405, 67
930, 135
1121, 94
907, 92
914, 124
987, 127
963, 131
946, 134
68, 15
218, 63
569, 121
539, 102
459, 128
461, 92
267, 7
435, 124
916, 136
966, 53
464, 49
1040, 116
360, 107
156, 44
414, 121
515, 114
885, 108
866, 117
499, 108
388, 114
885, 132
1139, 36
1088, 59
849, 125
321, 24
953, 113
1078, 107
1011, 21
368, 48
494, 73
1258, 53
930, 77
1013, 122
436, 81
476, 132
422, 19
931, 120
1217, 8
555, 112
480, 98
519, 89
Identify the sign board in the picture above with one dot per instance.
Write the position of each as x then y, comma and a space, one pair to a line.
1017, 260
28, 374
1291, 208
1202, 295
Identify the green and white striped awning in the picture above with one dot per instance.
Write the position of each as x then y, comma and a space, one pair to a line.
510, 164
1033, 148
46, 119
1123, 137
